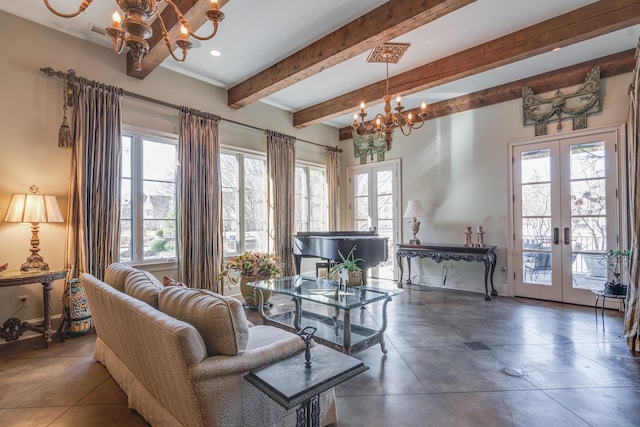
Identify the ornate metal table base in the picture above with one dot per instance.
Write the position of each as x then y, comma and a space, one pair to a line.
440, 253
13, 327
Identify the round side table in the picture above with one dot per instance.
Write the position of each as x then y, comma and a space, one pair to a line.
599, 292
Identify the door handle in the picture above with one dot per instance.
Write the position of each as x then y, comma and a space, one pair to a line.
556, 235
566, 236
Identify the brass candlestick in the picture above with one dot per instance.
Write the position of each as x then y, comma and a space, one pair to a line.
467, 236
480, 237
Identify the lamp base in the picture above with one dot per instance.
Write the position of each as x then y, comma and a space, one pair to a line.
414, 241
34, 263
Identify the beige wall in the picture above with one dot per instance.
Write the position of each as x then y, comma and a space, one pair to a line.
31, 113
457, 166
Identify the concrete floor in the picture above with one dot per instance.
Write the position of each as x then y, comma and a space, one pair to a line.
449, 354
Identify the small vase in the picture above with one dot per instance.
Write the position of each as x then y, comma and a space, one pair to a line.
249, 293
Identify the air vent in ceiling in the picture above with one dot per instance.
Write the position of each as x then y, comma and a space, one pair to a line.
97, 29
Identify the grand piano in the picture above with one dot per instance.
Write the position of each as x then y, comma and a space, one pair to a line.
369, 246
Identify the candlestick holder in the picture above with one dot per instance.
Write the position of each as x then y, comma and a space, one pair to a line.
480, 237
467, 236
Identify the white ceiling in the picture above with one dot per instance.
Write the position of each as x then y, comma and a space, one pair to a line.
256, 34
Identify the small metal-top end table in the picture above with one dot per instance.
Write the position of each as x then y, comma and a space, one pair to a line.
290, 383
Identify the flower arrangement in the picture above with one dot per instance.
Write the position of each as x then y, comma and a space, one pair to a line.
252, 264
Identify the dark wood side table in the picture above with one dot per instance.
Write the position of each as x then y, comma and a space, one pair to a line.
290, 383
13, 327
442, 252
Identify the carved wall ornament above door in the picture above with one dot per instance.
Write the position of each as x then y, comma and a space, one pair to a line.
364, 146
583, 101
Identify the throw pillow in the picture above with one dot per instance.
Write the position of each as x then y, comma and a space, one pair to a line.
168, 281
143, 286
116, 274
220, 320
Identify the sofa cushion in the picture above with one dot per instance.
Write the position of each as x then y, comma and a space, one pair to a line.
220, 320
144, 286
116, 274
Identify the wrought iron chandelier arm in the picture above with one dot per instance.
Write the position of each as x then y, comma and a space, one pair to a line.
214, 15
83, 6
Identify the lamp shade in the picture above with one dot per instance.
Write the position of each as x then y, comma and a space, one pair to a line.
414, 209
33, 208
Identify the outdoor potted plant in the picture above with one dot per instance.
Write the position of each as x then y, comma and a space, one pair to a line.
347, 269
251, 266
617, 262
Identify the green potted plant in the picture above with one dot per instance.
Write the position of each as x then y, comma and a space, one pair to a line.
617, 262
348, 267
251, 266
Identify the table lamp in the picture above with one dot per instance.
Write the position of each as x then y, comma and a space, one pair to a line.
414, 209
34, 208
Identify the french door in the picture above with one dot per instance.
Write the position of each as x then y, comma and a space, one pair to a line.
565, 211
373, 204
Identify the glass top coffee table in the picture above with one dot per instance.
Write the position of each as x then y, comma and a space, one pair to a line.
332, 330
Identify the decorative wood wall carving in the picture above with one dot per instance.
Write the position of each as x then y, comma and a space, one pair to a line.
578, 105
368, 146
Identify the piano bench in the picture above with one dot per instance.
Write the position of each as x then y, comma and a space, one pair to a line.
323, 265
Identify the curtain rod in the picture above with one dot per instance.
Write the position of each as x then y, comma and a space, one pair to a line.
72, 75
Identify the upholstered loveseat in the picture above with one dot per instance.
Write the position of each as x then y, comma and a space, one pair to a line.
180, 354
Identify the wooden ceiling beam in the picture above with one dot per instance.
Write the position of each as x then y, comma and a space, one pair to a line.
590, 21
612, 65
382, 24
193, 11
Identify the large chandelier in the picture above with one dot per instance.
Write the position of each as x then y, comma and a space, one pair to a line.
134, 30
383, 124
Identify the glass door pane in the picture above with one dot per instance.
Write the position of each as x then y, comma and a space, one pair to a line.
361, 219
588, 213
536, 216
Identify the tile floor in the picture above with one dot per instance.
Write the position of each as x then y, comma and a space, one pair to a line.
448, 353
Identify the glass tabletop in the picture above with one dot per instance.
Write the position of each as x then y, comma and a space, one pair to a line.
325, 291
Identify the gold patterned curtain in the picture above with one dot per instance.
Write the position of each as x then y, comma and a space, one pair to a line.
93, 226
332, 188
632, 313
200, 232
281, 198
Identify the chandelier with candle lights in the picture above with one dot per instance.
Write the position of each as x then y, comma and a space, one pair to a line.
134, 30
383, 124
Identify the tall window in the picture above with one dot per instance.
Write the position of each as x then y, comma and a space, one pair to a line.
311, 198
148, 198
244, 202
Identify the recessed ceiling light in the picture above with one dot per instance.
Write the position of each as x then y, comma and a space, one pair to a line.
215, 52
555, 49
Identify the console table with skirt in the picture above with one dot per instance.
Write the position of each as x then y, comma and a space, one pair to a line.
442, 252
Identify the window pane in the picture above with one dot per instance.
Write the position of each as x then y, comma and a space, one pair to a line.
362, 208
587, 160
159, 161
536, 199
126, 156
229, 174
159, 239
125, 240
385, 182
255, 205
536, 166
588, 197
148, 220
385, 207
361, 185
536, 233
